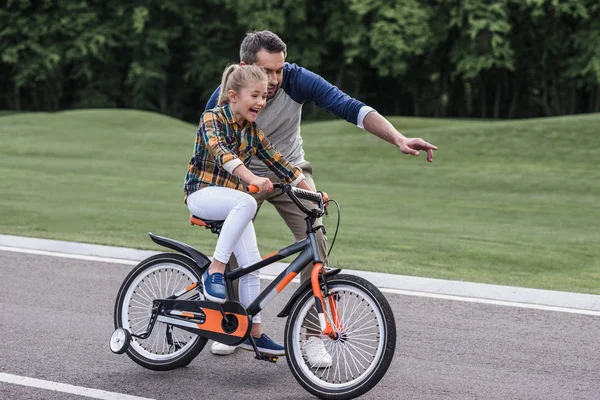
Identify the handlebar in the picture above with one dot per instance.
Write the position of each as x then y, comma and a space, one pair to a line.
294, 193
300, 193
254, 189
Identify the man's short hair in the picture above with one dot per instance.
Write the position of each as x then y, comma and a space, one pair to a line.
257, 40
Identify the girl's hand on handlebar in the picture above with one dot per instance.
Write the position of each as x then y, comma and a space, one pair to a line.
263, 184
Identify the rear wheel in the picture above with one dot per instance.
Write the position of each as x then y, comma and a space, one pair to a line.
365, 346
158, 277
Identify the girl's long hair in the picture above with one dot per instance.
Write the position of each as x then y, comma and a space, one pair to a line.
236, 77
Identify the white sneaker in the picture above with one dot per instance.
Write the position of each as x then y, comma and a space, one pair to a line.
222, 349
316, 354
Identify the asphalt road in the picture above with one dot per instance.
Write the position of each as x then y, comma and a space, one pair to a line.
56, 319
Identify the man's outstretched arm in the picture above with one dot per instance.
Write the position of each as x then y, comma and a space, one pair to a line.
304, 85
376, 124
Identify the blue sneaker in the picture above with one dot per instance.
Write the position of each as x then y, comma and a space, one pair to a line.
213, 287
265, 345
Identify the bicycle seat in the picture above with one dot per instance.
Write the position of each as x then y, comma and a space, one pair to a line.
214, 225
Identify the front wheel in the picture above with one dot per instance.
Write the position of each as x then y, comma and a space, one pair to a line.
158, 277
359, 357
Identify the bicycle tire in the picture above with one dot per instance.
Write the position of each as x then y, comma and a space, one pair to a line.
158, 276
371, 337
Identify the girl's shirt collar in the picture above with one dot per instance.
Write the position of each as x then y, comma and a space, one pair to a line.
231, 119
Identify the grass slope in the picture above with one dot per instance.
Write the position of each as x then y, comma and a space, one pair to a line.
513, 203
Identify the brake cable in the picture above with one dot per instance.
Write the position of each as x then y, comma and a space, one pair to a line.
337, 226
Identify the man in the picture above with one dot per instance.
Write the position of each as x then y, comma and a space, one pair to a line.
289, 87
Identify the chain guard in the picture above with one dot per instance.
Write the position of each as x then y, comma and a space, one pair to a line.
205, 318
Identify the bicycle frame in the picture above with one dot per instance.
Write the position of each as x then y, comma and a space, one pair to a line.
307, 249
281, 281
308, 252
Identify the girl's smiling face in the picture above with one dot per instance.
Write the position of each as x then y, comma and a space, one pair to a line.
247, 103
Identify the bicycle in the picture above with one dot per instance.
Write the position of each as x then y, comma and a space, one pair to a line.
163, 296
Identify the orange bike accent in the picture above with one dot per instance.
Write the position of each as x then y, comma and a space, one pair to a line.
213, 322
192, 286
337, 322
314, 280
270, 255
187, 314
196, 221
285, 281
252, 189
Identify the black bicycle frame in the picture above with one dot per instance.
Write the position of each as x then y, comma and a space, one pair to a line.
308, 252
306, 247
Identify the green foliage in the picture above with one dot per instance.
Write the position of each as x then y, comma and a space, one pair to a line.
398, 30
584, 65
482, 42
506, 58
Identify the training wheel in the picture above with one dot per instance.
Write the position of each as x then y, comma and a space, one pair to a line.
119, 341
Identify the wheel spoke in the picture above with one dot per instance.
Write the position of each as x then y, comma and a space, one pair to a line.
159, 293
147, 296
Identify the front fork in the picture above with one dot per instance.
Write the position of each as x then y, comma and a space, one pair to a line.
325, 325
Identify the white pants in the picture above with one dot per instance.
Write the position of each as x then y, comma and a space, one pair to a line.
237, 235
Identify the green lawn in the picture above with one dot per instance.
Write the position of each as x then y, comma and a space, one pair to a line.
7, 112
511, 203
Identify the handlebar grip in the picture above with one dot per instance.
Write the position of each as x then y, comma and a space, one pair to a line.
305, 194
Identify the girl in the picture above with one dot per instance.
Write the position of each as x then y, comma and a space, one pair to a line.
226, 140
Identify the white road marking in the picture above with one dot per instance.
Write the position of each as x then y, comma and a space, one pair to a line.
67, 255
492, 302
473, 299
66, 388
386, 290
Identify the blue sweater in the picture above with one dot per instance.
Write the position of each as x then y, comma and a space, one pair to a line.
280, 119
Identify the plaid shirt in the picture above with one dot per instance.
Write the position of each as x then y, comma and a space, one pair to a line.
221, 139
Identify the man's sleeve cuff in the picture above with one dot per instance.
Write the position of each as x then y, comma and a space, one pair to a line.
364, 110
230, 165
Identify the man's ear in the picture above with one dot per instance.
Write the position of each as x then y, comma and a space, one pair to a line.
232, 95
242, 63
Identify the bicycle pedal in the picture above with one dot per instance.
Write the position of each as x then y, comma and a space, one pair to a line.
267, 357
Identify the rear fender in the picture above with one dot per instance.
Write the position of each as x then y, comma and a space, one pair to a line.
200, 259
